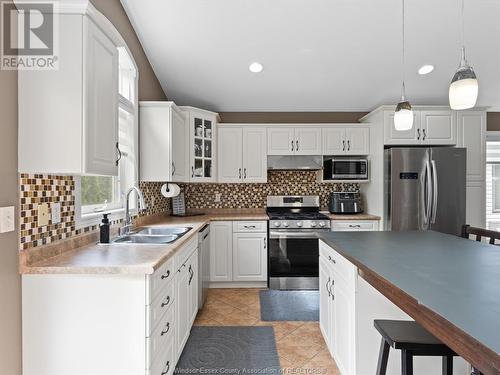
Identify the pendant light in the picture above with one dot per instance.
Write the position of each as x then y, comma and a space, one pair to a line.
464, 86
403, 116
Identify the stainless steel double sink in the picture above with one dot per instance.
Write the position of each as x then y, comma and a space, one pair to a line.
153, 235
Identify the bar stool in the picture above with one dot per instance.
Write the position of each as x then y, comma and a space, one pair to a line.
412, 340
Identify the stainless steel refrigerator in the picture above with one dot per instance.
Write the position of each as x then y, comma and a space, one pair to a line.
425, 189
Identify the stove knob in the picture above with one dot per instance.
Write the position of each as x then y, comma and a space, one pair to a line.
321, 224
313, 224
299, 224
277, 223
285, 224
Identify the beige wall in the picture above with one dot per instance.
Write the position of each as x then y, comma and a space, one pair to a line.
149, 87
291, 117
10, 282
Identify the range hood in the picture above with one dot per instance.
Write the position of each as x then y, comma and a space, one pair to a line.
294, 162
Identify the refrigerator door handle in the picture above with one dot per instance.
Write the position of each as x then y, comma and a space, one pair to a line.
434, 192
427, 194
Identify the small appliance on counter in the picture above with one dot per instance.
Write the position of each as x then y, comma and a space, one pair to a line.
346, 203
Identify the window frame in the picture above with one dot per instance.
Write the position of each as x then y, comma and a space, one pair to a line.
84, 218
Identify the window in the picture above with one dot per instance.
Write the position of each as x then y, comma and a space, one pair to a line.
97, 194
493, 181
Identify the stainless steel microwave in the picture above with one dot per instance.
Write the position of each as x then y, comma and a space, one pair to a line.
345, 168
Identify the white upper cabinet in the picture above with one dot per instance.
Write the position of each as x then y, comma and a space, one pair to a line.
282, 140
254, 154
430, 127
230, 160
202, 144
242, 154
472, 135
308, 141
163, 140
68, 118
349, 139
438, 127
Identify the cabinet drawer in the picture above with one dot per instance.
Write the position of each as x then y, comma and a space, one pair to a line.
164, 364
186, 251
161, 338
340, 266
162, 276
159, 307
249, 226
352, 226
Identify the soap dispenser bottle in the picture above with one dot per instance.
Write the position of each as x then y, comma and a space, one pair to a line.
104, 229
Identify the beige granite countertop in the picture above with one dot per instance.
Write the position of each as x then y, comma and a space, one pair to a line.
350, 217
129, 258
143, 259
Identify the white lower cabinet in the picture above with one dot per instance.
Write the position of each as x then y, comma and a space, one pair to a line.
354, 226
348, 307
238, 251
118, 323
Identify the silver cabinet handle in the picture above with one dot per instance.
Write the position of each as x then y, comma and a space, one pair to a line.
239, 173
354, 226
119, 154
167, 328
331, 292
167, 301
173, 168
165, 275
265, 243
327, 287
349, 145
297, 145
418, 134
331, 259
424, 135
192, 171
244, 173
292, 146
249, 226
343, 145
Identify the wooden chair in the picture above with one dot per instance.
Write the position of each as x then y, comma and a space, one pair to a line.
467, 231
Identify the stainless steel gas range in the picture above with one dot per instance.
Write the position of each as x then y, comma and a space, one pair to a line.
294, 222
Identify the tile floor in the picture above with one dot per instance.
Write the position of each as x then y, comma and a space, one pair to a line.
300, 345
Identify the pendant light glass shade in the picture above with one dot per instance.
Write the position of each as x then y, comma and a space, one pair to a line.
464, 87
403, 117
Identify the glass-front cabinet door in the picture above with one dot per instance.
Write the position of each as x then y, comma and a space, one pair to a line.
203, 145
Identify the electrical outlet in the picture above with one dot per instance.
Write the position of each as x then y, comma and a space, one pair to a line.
218, 197
43, 215
7, 219
55, 213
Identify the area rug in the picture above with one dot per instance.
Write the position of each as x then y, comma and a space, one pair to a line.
230, 350
291, 305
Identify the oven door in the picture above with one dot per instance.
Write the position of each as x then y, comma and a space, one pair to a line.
349, 169
293, 253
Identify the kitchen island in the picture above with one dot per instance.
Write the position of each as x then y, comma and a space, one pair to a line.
451, 286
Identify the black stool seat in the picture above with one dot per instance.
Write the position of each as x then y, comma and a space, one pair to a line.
413, 340
409, 335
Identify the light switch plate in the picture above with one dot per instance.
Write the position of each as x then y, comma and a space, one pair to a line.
218, 197
55, 213
7, 219
43, 215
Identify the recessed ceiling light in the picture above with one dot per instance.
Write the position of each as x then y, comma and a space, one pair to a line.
256, 67
425, 69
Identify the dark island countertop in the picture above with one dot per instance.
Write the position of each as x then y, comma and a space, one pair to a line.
448, 284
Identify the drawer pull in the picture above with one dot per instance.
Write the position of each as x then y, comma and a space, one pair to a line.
249, 226
354, 226
166, 330
327, 286
331, 259
163, 304
165, 275
165, 372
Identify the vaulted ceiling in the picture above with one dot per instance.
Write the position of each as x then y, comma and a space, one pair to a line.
318, 55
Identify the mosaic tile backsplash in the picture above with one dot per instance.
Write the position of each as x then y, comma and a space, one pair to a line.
200, 196
50, 189
37, 188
